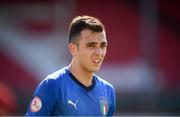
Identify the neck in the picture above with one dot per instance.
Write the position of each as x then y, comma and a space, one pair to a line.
82, 75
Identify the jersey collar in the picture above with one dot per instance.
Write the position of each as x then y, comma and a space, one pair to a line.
82, 85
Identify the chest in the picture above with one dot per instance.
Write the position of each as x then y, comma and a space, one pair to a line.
77, 101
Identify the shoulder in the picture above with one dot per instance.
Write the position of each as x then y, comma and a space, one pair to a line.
104, 83
55, 78
57, 74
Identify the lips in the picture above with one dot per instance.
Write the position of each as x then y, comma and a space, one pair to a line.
97, 61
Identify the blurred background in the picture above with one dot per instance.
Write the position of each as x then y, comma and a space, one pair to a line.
142, 62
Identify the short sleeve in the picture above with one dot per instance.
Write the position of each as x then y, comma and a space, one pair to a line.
43, 99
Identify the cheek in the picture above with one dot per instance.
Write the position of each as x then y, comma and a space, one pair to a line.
85, 54
85, 58
104, 52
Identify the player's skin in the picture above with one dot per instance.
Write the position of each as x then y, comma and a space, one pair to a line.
88, 46
87, 55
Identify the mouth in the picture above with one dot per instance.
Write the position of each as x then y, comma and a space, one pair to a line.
97, 61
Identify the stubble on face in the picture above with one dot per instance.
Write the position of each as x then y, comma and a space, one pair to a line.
92, 49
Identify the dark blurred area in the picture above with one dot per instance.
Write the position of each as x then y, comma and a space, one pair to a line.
142, 62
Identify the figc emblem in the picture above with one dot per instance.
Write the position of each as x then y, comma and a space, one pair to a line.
36, 104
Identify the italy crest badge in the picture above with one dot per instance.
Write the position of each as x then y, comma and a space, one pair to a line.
103, 105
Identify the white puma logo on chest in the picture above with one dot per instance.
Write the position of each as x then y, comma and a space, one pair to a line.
73, 104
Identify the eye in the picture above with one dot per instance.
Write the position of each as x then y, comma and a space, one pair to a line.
90, 45
104, 45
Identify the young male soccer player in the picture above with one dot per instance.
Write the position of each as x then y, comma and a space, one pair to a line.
75, 90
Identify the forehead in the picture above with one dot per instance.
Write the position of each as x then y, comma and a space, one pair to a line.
90, 36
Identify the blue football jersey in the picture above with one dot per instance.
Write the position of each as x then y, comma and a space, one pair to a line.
61, 94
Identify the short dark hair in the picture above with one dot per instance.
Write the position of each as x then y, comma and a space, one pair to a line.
80, 23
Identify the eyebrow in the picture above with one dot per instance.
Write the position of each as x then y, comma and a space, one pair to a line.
104, 43
89, 43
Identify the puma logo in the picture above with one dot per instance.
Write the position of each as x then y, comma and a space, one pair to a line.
73, 104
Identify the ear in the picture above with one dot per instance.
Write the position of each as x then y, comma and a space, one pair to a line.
72, 48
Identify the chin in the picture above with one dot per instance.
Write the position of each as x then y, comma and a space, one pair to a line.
95, 69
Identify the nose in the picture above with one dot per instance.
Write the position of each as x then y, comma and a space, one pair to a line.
98, 51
